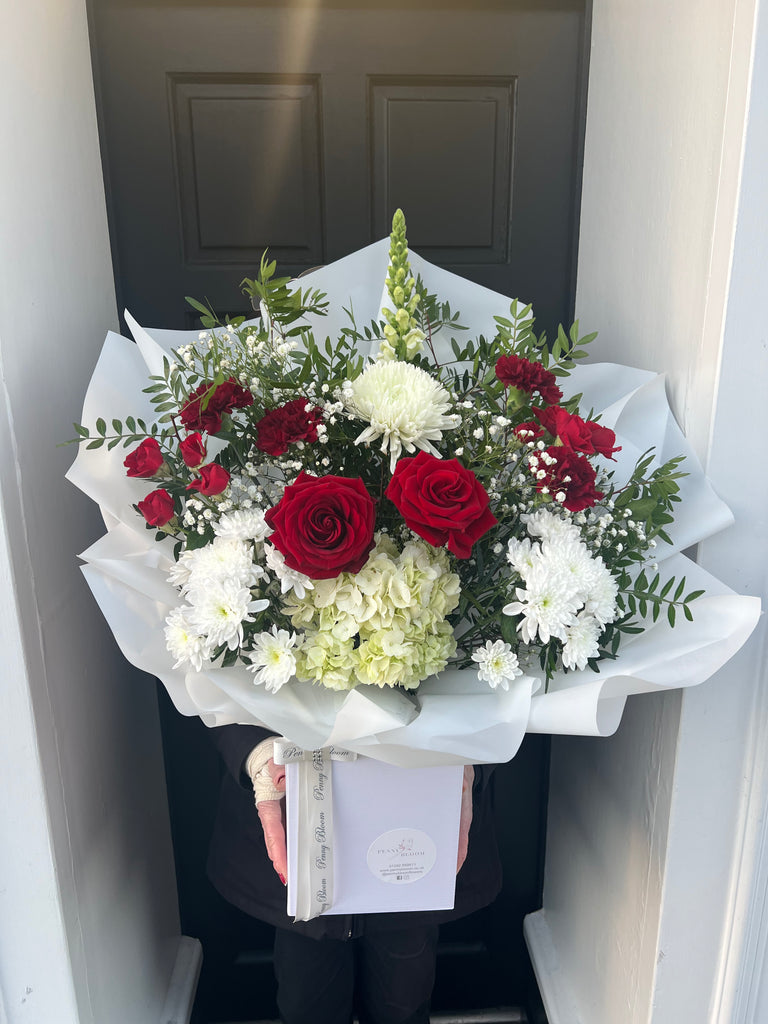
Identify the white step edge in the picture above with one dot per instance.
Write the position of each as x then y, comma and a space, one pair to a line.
183, 982
556, 994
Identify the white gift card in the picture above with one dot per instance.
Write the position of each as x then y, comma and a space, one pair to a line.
395, 836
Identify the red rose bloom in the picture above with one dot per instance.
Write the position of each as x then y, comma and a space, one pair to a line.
207, 404
286, 425
572, 474
441, 501
323, 525
193, 450
157, 507
213, 479
144, 460
516, 372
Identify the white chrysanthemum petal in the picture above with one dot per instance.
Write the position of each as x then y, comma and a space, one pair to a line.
404, 405
290, 579
244, 524
219, 611
497, 664
581, 641
183, 640
273, 658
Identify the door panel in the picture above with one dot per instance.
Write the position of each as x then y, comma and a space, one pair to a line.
302, 126
227, 129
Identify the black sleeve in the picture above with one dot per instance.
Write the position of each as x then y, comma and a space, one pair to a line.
234, 743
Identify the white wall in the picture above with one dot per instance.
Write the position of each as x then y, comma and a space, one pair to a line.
88, 921
644, 828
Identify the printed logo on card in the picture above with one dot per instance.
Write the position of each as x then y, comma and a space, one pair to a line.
401, 856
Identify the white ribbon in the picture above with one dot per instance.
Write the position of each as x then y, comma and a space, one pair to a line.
314, 874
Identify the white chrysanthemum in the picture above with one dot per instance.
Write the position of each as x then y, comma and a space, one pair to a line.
404, 406
183, 641
547, 603
219, 610
581, 641
245, 524
222, 559
570, 556
290, 579
601, 599
544, 524
497, 664
273, 658
522, 555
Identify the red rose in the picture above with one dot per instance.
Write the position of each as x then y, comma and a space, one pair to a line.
213, 479
516, 372
207, 404
157, 507
286, 425
441, 501
571, 473
323, 525
144, 460
193, 450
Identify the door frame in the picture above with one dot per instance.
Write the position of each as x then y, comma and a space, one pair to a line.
44, 800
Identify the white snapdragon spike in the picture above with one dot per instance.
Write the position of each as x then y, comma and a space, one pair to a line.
290, 579
404, 406
219, 611
581, 641
184, 642
497, 664
273, 658
244, 524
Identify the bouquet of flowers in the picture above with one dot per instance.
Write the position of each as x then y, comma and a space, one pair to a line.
336, 529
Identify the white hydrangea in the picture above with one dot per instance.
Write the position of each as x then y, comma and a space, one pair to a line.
403, 405
497, 664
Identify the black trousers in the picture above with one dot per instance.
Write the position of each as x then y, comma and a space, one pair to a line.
386, 975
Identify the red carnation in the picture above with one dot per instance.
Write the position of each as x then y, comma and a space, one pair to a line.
571, 474
575, 433
207, 404
288, 424
193, 450
323, 525
145, 460
157, 507
569, 429
516, 372
603, 439
441, 501
528, 431
213, 479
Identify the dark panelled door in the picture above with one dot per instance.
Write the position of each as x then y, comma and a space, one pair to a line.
301, 126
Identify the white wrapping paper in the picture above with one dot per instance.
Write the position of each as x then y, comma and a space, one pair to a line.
454, 719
